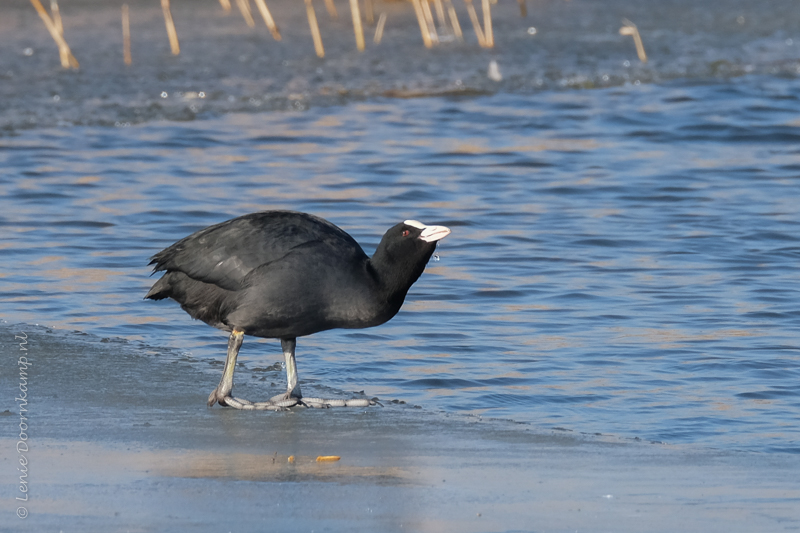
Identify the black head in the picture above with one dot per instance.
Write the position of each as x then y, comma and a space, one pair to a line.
403, 253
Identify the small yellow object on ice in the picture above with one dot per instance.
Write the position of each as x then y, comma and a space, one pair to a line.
291, 458
325, 458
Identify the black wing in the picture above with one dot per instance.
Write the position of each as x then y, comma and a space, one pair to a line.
224, 254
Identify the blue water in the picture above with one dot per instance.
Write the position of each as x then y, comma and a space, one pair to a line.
626, 236
623, 261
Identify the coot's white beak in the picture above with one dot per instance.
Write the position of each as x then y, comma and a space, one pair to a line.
429, 233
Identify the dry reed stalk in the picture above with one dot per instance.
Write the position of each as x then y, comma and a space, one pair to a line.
312, 21
488, 33
67, 59
268, 20
426, 11
369, 12
126, 35
244, 8
329, 5
56, 13
379, 28
473, 16
523, 8
423, 26
226, 5
451, 10
437, 4
630, 28
358, 29
173, 35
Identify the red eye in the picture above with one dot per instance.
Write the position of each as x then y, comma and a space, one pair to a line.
406, 233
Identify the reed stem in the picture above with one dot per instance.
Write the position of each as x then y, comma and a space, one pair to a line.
473, 16
369, 12
379, 28
488, 33
268, 20
629, 28
126, 35
312, 22
331, 7
56, 13
358, 29
437, 4
57, 17
244, 8
173, 35
67, 59
451, 10
423, 26
426, 11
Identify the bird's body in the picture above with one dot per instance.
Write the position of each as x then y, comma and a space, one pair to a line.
282, 274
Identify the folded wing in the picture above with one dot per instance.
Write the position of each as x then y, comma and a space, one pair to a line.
224, 254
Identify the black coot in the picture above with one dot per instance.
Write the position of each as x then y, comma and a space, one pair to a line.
282, 274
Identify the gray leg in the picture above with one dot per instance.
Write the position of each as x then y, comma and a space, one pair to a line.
226, 383
292, 387
291, 397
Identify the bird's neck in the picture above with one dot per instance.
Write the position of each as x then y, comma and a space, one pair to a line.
395, 275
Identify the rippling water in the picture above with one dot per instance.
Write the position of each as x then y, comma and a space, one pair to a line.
623, 260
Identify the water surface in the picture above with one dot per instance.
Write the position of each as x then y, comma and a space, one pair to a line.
624, 258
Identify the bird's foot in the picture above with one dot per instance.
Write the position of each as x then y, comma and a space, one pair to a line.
321, 403
288, 395
270, 405
218, 395
282, 403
